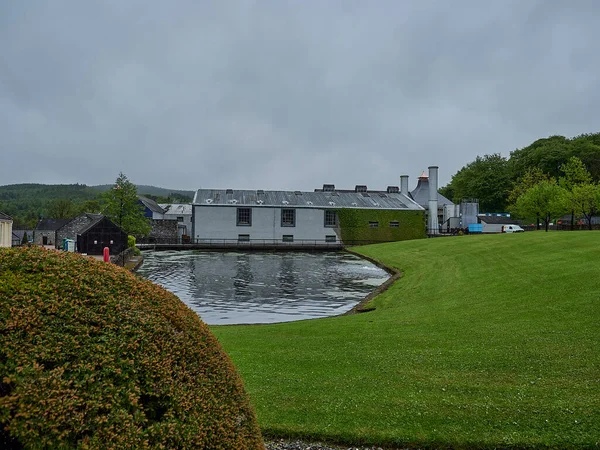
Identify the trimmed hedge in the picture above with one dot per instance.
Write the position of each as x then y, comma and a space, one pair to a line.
93, 357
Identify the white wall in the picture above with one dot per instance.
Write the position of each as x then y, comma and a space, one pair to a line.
219, 222
5, 233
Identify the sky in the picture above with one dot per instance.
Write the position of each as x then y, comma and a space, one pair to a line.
286, 94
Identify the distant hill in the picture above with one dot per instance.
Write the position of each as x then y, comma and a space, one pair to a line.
149, 190
27, 202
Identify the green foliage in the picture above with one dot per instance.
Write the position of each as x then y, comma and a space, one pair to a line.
485, 342
549, 156
122, 207
354, 225
93, 357
486, 179
172, 197
585, 200
61, 208
131, 241
546, 200
575, 173
25, 239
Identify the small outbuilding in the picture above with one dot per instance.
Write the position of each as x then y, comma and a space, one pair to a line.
45, 231
92, 233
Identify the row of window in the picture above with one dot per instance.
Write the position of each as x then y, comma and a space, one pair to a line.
288, 218
286, 238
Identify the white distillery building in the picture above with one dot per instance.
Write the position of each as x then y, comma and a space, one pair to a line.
6, 224
304, 217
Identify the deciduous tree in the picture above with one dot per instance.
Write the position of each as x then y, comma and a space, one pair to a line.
545, 200
123, 209
585, 200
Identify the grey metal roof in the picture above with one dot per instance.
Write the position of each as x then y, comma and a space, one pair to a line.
151, 204
421, 194
177, 208
498, 220
4, 216
297, 199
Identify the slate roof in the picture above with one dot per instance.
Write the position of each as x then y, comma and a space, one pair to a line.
85, 222
20, 233
421, 193
4, 216
51, 224
298, 199
151, 204
180, 209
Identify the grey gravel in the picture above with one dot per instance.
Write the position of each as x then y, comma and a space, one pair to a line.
283, 444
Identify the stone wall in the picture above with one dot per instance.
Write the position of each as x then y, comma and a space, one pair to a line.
38, 237
69, 231
163, 230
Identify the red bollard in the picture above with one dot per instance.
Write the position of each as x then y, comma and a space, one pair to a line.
106, 255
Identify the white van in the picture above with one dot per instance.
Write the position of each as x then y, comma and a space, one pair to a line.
512, 229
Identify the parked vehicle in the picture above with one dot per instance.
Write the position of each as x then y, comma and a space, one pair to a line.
512, 229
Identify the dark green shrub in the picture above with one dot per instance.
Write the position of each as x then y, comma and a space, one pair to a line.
92, 357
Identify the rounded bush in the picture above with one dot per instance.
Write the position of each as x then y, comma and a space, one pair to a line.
93, 357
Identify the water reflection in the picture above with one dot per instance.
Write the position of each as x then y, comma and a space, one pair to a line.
226, 288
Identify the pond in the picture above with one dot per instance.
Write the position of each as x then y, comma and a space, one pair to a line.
242, 288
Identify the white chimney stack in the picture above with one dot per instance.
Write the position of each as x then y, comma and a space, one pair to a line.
404, 184
432, 220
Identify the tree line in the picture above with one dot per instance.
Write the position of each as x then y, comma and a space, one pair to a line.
551, 177
28, 203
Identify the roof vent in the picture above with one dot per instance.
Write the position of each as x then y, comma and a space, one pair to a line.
393, 189
375, 204
332, 203
229, 192
285, 202
209, 200
360, 188
260, 202
354, 204
309, 202
328, 187
260, 192
297, 192
233, 200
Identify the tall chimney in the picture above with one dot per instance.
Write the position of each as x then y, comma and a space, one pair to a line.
404, 184
432, 220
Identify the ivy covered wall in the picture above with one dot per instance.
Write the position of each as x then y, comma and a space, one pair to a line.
354, 225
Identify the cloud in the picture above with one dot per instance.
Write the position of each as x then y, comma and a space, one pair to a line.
286, 94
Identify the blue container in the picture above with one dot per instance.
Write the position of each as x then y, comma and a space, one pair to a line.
475, 228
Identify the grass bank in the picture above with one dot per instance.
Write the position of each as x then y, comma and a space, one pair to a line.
485, 341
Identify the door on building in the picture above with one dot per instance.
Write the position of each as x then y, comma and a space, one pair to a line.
45, 240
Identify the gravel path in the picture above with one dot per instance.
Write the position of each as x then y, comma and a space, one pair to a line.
299, 445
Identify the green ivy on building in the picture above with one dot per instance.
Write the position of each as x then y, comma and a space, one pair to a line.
359, 225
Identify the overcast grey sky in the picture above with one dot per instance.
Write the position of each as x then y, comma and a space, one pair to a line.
280, 94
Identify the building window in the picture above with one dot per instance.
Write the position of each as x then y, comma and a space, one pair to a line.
243, 238
331, 238
288, 217
179, 218
244, 217
373, 224
288, 238
394, 224
330, 219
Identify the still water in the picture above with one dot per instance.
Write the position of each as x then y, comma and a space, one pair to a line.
235, 288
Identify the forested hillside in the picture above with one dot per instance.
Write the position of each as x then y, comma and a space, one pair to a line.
493, 178
26, 203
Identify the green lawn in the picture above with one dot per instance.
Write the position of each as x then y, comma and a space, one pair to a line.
485, 341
